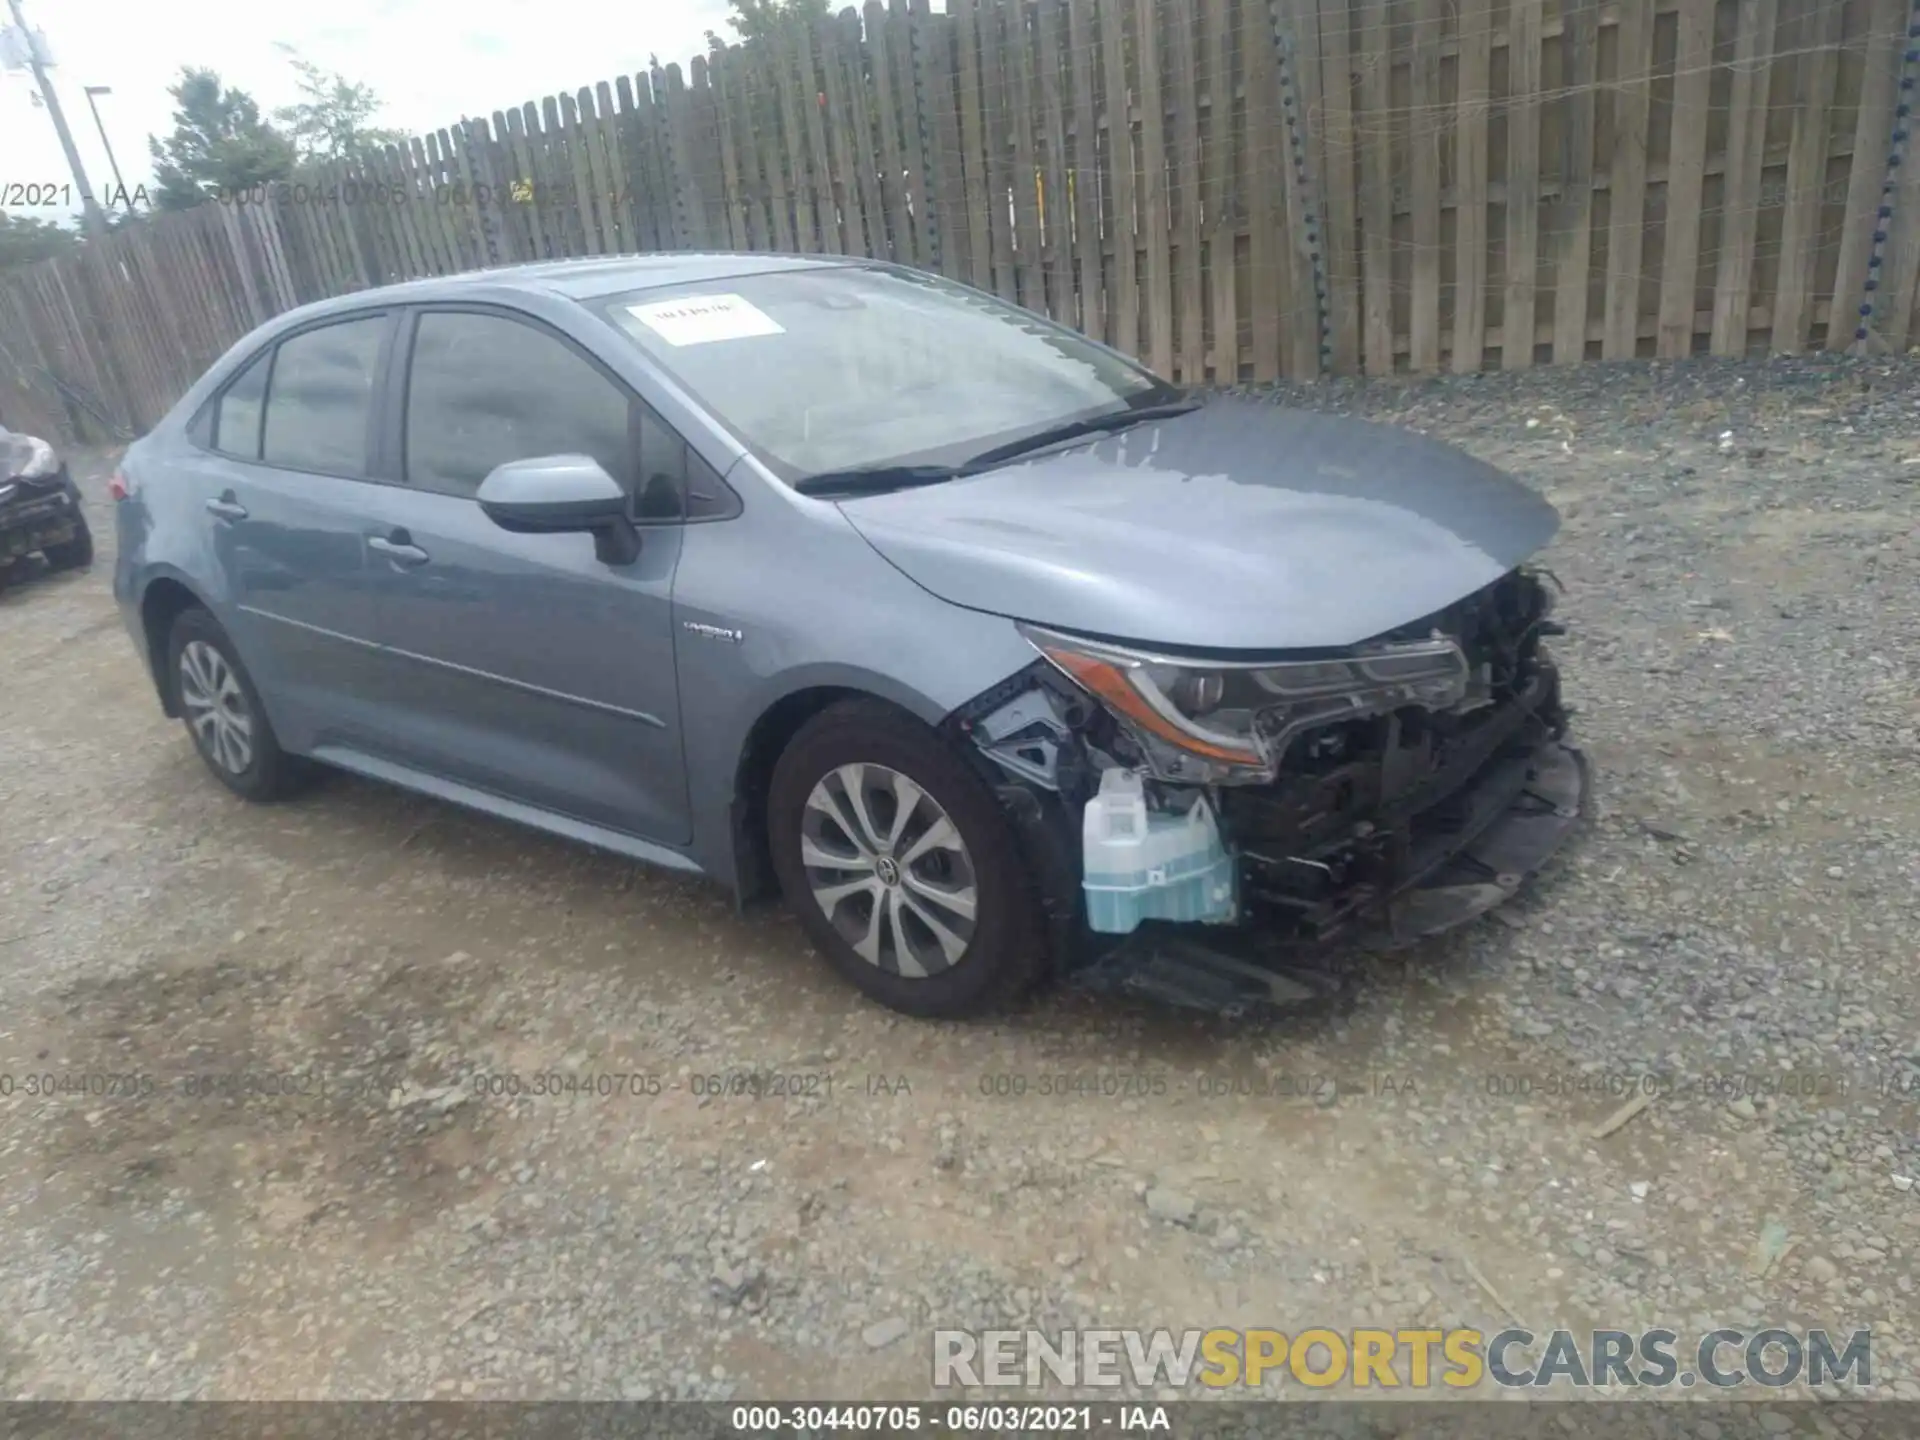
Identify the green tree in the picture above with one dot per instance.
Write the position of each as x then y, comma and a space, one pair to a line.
24, 239
220, 144
333, 119
759, 19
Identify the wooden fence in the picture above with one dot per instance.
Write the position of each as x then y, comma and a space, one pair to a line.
1230, 189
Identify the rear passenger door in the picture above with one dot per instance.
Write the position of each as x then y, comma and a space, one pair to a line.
523, 664
286, 486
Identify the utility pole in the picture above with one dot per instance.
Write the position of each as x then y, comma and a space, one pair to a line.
96, 222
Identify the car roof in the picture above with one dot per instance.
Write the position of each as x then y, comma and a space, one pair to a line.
582, 279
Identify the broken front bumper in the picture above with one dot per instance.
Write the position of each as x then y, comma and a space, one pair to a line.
1521, 811
1501, 825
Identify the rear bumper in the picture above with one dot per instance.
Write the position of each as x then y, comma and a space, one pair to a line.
131, 578
34, 518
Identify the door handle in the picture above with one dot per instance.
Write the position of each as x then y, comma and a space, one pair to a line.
227, 508
401, 552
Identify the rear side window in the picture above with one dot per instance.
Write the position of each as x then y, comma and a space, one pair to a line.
321, 396
484, 390
236, 420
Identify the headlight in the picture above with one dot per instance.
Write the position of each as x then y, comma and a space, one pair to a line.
1241, 716
1147, 691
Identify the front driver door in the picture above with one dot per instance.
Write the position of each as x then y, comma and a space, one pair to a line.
522, 664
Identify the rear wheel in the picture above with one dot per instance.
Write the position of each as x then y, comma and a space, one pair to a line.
74, 554
223, 713
901, 864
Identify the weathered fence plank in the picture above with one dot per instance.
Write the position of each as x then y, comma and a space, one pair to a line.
994, 63
1221, 198
1873, 121
1189, 333
1269, 254
1573, 224
1056, 195
1338, 179
1123, 325
1816, 36
939, 67
1376, 184
844, 150
973, 144
1523, 183
1686, 179
1423, 136
1022, 111
1747, 109
1298, 216
884, 56
1085, 169
1470, 180
1154, 211
1627, 191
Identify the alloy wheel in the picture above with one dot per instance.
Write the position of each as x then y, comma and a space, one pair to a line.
889, 870
216, 707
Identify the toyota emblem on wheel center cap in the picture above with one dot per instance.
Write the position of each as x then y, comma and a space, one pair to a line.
888, 869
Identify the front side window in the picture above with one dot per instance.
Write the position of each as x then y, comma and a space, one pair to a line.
854, 367
320, 396
236, 419
484, 390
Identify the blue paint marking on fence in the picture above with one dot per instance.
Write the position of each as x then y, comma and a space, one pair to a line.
928, 213
1896, 153
1312, 220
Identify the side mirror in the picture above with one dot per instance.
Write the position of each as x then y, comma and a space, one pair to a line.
556, 494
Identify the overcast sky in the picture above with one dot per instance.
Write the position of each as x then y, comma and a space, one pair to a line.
431, 63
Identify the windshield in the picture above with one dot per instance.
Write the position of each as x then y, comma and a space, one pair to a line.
854, 368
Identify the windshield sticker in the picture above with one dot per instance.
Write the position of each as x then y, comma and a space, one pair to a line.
702, 319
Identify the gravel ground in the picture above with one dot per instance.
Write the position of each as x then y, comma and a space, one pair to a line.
1741, 557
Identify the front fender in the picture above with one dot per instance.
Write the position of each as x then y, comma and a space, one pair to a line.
757, 646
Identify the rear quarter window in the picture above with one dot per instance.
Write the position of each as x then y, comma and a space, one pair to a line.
238, 411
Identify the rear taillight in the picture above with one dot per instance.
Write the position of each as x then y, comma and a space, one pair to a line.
117, 486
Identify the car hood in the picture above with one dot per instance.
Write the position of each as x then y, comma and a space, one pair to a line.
17, 452
1239, 526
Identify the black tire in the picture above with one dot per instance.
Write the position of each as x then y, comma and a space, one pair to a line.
1005, 949
269, 772
74, 554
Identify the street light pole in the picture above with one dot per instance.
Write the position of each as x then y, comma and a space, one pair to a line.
90, 208
106, 144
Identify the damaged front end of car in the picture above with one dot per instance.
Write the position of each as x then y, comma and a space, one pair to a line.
1209, 828
39, 505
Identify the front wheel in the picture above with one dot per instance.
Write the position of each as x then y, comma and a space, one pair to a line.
902, 866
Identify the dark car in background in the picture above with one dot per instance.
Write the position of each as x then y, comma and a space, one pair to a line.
40, 507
